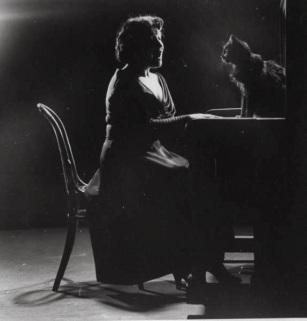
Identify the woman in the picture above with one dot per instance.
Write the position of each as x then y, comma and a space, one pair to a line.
140, 224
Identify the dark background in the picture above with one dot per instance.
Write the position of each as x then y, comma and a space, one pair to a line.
61, 53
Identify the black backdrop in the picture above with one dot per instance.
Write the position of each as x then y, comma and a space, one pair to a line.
61, 53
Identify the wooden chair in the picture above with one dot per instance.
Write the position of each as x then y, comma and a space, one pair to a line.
76, 189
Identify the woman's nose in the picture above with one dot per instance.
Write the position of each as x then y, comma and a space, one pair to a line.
160, 44
157, 43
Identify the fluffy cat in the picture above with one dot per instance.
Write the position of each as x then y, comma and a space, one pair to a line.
261, 82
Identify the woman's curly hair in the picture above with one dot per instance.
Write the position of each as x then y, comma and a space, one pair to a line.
134, 36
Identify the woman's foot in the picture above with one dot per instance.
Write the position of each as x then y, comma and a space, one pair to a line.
196, 280
223, 276
181, 280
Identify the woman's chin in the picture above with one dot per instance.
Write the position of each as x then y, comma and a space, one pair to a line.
157, 64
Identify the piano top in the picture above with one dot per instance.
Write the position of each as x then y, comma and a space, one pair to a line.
242, 119
234, 129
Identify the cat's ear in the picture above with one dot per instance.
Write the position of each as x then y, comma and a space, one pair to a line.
234, 38
231, 37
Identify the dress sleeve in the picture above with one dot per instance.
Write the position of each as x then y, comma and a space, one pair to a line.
182, 119
122, 106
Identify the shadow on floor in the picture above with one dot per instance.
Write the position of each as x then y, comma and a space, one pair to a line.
157, 295
219, 302
38, 297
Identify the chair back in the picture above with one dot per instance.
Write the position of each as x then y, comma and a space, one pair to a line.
73, 184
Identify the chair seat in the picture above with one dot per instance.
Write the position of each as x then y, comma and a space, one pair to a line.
81, 213
92, 188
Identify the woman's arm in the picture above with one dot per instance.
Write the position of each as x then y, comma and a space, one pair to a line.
171, 120
181, 119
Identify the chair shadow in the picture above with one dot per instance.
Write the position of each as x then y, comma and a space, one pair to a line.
155, 296
39, 297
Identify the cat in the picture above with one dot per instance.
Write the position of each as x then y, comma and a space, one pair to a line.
262, 83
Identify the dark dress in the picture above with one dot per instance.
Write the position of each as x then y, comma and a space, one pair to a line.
139, 222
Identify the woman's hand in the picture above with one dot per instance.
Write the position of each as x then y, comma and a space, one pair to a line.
202, 116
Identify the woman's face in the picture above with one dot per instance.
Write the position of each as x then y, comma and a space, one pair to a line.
154, 51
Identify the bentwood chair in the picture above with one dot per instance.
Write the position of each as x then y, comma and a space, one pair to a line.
77, 191
74, 187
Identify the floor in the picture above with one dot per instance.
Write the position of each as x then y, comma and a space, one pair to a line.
29, 261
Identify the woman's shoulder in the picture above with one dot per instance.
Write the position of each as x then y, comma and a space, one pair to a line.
122, 78
122, 84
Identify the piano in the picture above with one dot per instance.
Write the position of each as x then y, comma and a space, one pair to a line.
240, 165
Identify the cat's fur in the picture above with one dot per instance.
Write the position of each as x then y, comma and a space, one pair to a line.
261, 82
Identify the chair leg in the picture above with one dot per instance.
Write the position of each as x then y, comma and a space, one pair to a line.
69, 243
